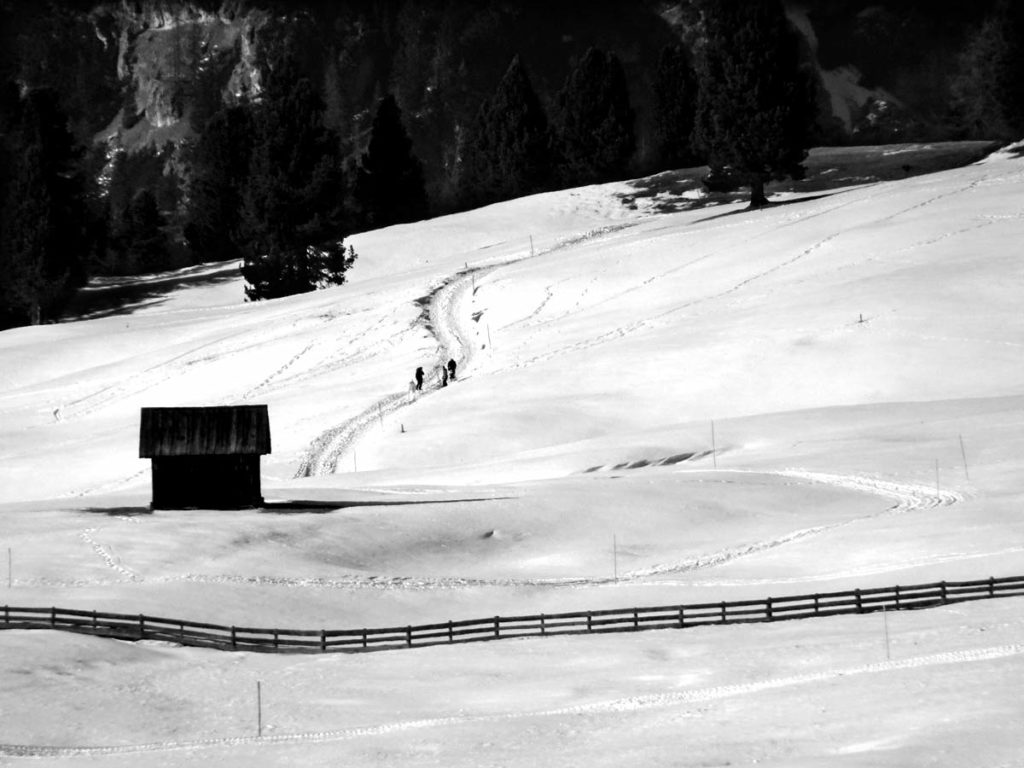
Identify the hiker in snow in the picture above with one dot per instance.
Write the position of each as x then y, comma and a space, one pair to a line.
419, 379
444, 376
451, 369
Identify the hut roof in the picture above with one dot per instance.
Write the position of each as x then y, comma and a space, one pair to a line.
217, 430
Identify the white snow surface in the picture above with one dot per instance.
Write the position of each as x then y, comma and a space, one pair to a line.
650, 409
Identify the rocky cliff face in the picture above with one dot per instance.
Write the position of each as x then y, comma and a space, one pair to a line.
174, 59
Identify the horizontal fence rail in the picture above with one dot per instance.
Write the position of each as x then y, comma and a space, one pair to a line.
197, 634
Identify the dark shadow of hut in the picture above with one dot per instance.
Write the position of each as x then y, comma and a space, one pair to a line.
207, 458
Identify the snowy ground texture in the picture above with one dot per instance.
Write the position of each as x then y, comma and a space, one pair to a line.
858, 350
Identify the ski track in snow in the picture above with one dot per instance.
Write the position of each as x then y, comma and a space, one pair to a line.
269, 379
106, 555
626, 705
452, 331
659, 320
909, 497
110, 485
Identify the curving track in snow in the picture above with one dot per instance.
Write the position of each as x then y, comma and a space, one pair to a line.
908, 498
609, 706
447, 319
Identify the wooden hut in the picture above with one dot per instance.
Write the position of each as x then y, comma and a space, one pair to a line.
205, 457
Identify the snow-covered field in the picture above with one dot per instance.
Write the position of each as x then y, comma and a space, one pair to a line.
853, 358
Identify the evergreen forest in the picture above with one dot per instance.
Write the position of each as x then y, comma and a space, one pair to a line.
152, 136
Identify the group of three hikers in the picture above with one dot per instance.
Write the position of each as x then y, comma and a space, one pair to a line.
447, 372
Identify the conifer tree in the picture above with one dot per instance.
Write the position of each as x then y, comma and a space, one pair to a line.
675, 103
755, 113
478, 183
294, 221
389, 182
141, 238
988, 91
594, 120
43, 215
220, 171
508, 152
520, 140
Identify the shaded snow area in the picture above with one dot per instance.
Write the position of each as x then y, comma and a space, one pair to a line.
651, 408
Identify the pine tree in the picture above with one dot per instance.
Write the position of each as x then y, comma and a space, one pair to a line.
478, 183
294, 221
389, 182
594, 121
43, 216
508, 152
520, 139
755, 113
220, 170
141, 238
988, 91
675, 103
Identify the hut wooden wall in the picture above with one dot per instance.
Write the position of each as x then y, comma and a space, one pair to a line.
206, 482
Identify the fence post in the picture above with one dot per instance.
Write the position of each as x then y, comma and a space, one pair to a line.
142, 626
94, 621
991, 587
275, 639
543, 627
860, 603
364, 637
181, 631
234, 639
897, 597
53, 616
408, 636
681, 621
636, 619
942, 590
590, 625
817, 605
451, 635
323, 641
496, 625
768, 608
7, 614
723, 611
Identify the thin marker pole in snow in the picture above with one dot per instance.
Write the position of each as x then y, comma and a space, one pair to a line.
964, 454
714, 448
885, 624
259, 709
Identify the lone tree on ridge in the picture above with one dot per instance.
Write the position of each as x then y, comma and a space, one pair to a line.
755, 112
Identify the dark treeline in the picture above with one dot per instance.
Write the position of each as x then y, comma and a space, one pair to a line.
373, 113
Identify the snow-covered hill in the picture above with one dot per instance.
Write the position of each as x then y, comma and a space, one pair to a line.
822, 394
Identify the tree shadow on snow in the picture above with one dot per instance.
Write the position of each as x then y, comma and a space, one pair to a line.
771, 204
124, 296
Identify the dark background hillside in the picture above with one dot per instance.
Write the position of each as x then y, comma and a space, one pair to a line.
140, 83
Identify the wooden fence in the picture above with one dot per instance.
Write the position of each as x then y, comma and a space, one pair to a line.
190, 633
